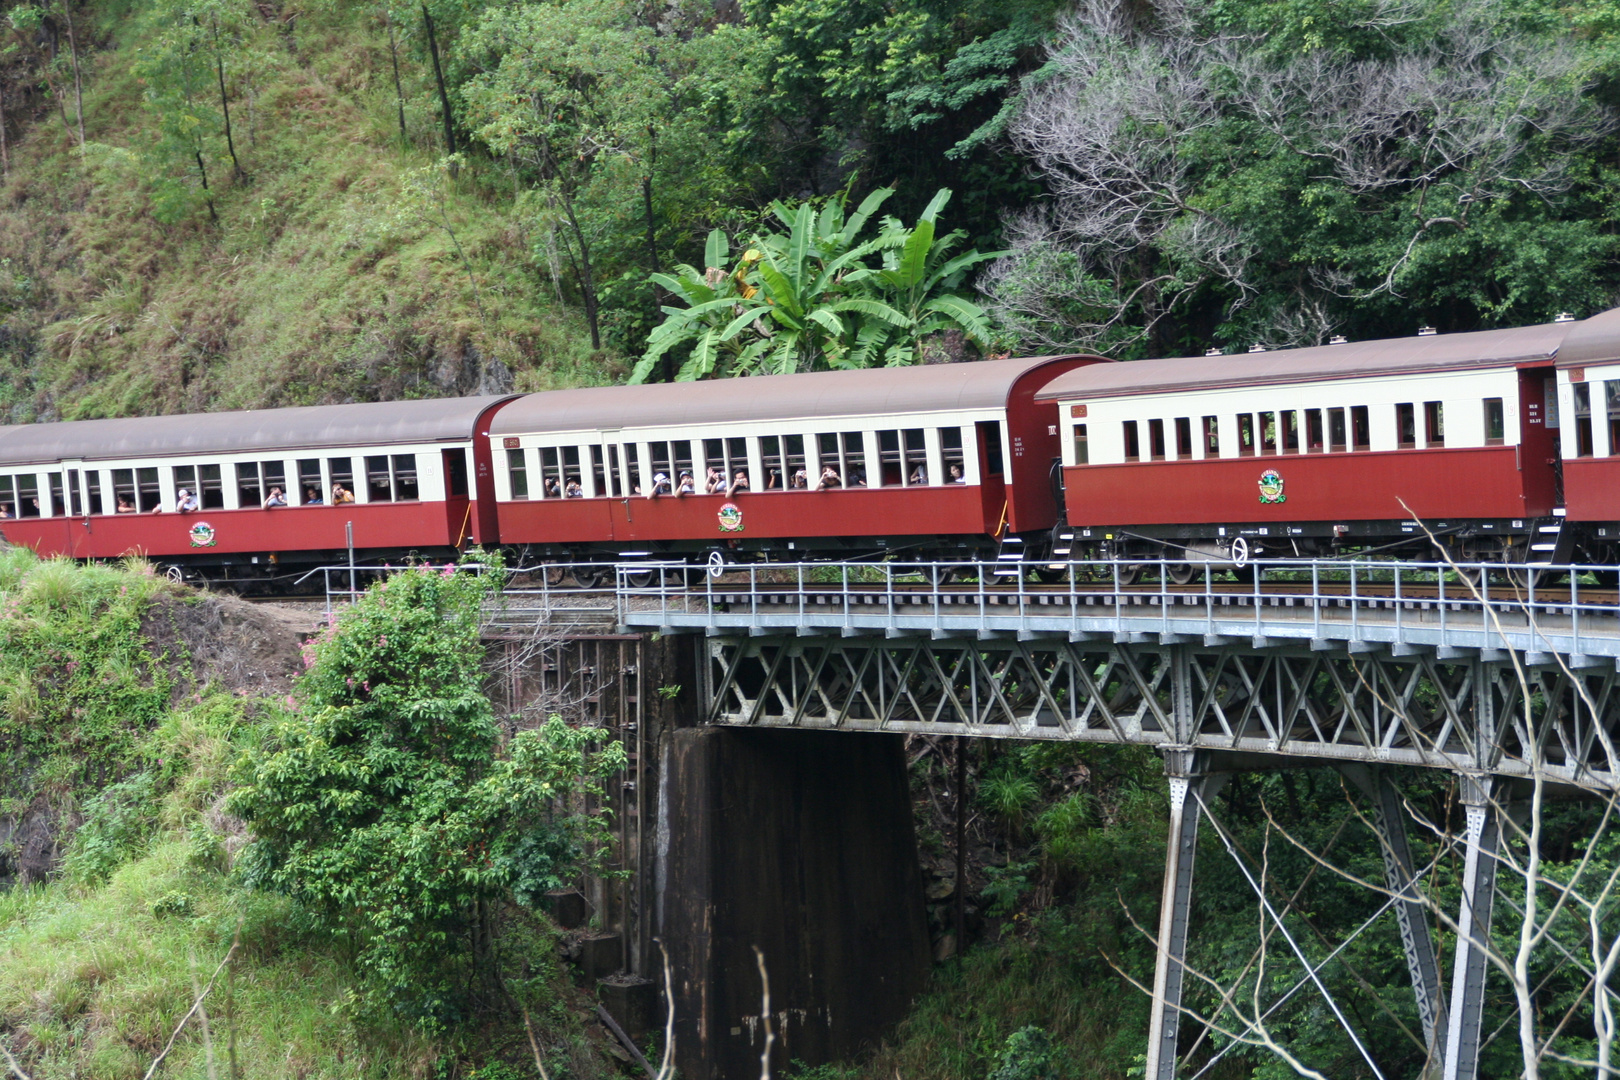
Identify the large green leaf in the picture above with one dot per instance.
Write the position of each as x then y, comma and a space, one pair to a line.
717, 250
857, 220
781, 289
966, 314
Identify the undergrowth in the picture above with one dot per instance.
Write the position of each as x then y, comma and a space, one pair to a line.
125, 766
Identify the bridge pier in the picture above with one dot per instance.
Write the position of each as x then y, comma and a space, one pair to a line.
1164, 1023
1472, 965
1400, 875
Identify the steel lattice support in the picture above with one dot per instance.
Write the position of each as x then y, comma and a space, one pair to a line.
1374, 708
1175, 908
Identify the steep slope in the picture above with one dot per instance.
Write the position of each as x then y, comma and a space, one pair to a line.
341, 265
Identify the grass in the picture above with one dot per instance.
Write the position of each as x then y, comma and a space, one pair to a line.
314, 286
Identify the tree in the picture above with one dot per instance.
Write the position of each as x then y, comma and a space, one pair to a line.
808, 298
624, 125
389, 806
1271, 180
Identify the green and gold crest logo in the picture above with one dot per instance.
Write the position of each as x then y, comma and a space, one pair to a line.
1271, 487
730, 517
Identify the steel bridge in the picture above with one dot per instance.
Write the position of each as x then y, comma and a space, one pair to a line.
1500, 675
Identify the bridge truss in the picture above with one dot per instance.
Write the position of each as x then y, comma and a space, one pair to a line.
1500, 690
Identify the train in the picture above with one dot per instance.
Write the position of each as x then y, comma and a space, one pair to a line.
1493, 446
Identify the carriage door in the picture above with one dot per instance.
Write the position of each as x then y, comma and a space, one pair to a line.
1540, 460
992, 475
457, 497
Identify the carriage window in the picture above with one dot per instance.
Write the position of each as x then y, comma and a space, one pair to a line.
551, 477
950, 453
517, 473
794, 473
275, 476
212, 481
58, 507
185, 479
1336, 429
341, 470
632, 469
658, 461
8, 497
1360, 428
845, 454
1133, 445
890, 473
1245, 435
1183, 438
309, 482
1434, 423
1156, 439
916, 459
599, 473
1212, 436
1290, 431
672, 459
1405, 425
1268, 433
1583, 419
406, 489
378, 486
248, 491
123, 492
1495, 428
573, 476
1611, 398
92, 490
74, 497
1082, 453
770, 456
1313, 431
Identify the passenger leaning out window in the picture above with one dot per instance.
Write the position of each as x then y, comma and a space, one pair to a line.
187, 502
829, 478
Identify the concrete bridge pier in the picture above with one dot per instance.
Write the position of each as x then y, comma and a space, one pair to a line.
799, 844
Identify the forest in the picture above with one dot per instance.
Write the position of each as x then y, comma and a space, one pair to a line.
216, 203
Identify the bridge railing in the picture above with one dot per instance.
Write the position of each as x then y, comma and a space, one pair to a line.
1543, 609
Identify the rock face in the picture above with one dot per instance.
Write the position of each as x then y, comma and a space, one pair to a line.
799, 843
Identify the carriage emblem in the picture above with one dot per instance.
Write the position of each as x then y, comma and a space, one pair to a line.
1271, 487
202, 535
730, 517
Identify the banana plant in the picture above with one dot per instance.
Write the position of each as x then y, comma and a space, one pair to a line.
817, 296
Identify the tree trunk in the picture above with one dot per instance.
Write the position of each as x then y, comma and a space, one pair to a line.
225, 106
668, 363
444, 97
78, 84
208, 197
399, 93
587, 279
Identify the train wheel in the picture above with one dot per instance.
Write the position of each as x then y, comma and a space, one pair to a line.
588, 577
554, 575
1184, 573
936, 574
638, 579
175, 574
1047, 575
1130, 573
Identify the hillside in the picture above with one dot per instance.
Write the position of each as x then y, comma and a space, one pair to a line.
328, 276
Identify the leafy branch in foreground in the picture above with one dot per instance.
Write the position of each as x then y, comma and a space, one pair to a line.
388, 805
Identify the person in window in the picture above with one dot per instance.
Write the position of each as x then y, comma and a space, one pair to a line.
312, 496
124, 505
739, 482
341, 494
275, 499
574, 491
956, 475
553, 489
687, 486
829, 478
800, 479
857, 478
5, 512
919, 476
660, 485
186, 503
715, 482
